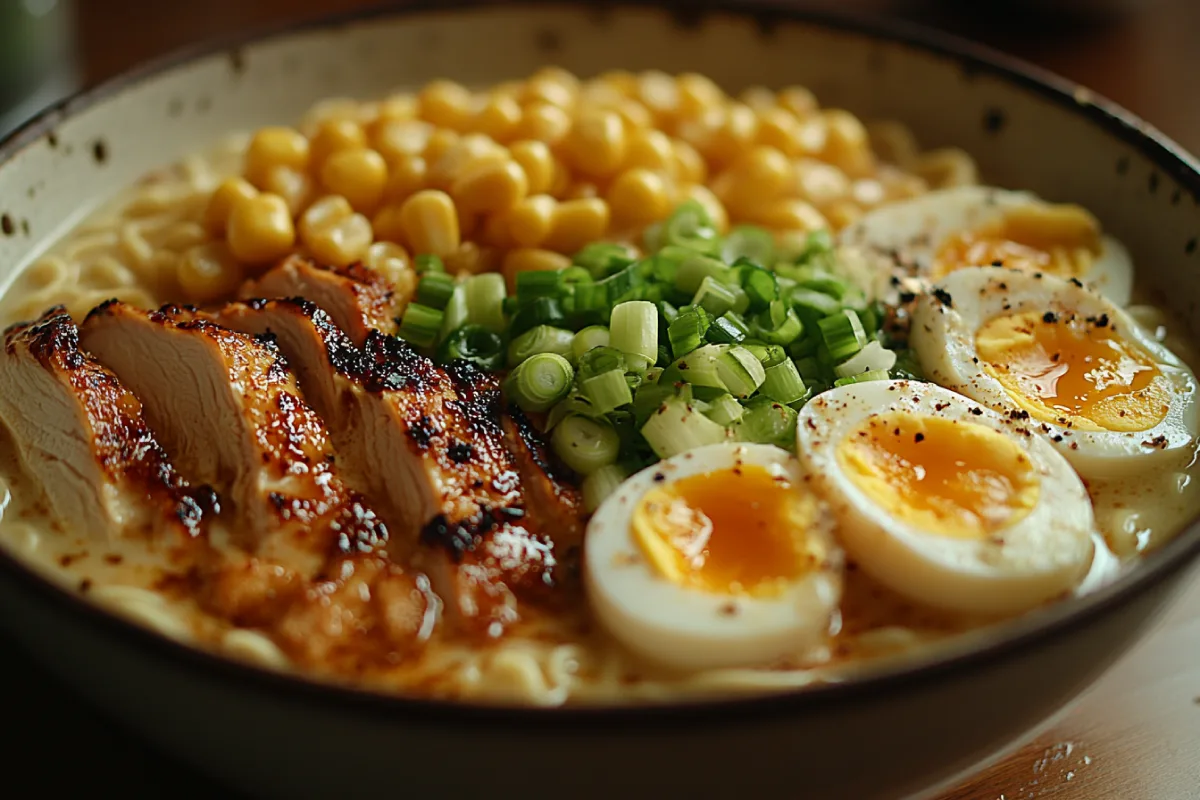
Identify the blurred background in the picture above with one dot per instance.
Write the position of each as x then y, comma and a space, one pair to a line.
1140, 53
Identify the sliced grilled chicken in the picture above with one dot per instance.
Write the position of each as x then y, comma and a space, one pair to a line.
358, 300
427, 446
83, 439
229, 413
550, 488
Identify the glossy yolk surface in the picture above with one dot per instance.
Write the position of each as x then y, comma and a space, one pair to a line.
730, 531
1063, 240
1064, 369
942, 476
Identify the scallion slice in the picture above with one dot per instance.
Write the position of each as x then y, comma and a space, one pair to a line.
590, 337
607, 391
779, 324
843, 334
540, 339
724, 410
729, 328
872, 357
540, 311
602, 483
602, 259
783, 383
812, 306
634, 331
675, 427
599, 360
420, 325
474, 343
539, 382
532, 284
751, 243
767, 422
435, 289
687, 331
760, 286
740, 371
694, 269
863, 377
426, 263
691, 227
714, 297
585, 444
484, 296
698, 368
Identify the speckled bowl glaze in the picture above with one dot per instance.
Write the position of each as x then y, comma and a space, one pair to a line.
894, 734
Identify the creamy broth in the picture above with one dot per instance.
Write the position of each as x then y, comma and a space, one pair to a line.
556, 654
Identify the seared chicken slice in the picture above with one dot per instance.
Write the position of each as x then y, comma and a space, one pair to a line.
83, 439
550, 488
427, 446
229, 413
357, 299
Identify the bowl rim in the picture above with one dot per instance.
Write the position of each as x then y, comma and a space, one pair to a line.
1034, 630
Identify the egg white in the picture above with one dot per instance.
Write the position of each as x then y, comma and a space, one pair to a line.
943, 337
687, 628
1039, 557
904, 237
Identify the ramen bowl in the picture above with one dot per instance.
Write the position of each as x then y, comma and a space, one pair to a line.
897, 731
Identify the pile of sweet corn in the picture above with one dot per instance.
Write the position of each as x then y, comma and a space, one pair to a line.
522, 175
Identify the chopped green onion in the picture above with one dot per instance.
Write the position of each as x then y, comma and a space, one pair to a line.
585, 445
540, 339
907, 366
714, 297
806, 345
740, 371
634, 331
760, 286
676, 427
590, 337
691, 227
647, 399
768, 354
687, 331
751, 243
843, 334
420, 325
872, 357
783, 383
607, 391
727, 329
767, 422
484, 295
623, 285
602, 259
539, 382
532, 284
805, 247
541, 311
474, 343
696, 268
812, 306
575, 274
455, 313
779, 324
697, 368
821, 281
600, 484
435, 289
724, 410
863, 377
427, 263
809, 369
599, 360
573, 403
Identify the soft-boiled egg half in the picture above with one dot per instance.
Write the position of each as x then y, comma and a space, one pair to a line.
945, 502
717, 557
935, 234
1080, 370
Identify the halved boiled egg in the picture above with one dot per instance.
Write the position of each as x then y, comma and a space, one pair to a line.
945, 502
717, 557
930, 236
1083, 373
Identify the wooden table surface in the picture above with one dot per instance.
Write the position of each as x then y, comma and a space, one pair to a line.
1133, 736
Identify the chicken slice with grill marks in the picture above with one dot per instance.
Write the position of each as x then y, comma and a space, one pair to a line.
358, 299
83, 439
426, 444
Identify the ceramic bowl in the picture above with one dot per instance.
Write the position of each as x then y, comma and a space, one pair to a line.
892, 734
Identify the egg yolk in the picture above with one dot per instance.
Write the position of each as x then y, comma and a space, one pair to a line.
730, 531
1073, 370
942, 476
1062, 240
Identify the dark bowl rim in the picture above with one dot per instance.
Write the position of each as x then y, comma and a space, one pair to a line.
1030, 632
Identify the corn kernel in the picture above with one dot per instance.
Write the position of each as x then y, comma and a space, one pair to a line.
847, 145
208, 272
760, 98
894, 142
561, 182
633, 114
496, 230
811, 136
779, 128
398, 106
819, 183
581, 190
596, 144
544, 122
739, 130
576, 223
358, 175
406, 176
394, 263
335, 135
530, 221
689, 164
260, 229
843, 213
639, 197
438, 144
273, 147
537, 161
328, 109
394, 138
216, 214
798, 100
564, 77
787, 214
468, 152
621, 80
446, 104
758, 175
334, 233
430, 223
387, 223
712, 206
550, 89
499, 118
489, 186
697, 94
700, 132
650, 149
294, 186
947, 167
472, 259
659, 92
868, 192
527, 259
